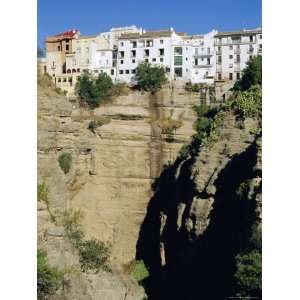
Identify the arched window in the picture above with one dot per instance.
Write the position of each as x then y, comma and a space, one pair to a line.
58, 80
78, 70
73, 70
69, 71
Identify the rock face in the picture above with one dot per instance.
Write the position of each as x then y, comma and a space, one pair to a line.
112, 169
197, 220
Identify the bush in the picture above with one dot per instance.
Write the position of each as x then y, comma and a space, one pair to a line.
65, 161
94, 255
138, 270
49, 279
169, 125
94, 124
252, 75
150, 78
92, 90
195, 88
248, 104
42, 192
248, 274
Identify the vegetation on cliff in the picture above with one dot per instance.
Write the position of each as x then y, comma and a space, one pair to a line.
49, 279
93, 90
93, 254
150, 78
252, 75
65, 161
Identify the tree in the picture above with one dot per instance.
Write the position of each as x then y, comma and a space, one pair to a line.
248, 273
48, 278
150, 78
92, 90
252, 75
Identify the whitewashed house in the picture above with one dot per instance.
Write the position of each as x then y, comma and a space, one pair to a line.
233, 51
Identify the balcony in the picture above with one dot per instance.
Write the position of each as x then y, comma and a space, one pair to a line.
203, 66
203, 54
237, 51
219, 52
250, 51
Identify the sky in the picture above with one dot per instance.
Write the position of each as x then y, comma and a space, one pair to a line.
190, 16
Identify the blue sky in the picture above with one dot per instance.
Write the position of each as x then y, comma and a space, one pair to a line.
191, 16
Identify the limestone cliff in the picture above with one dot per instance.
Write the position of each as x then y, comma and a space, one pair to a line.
197, 222
112, 171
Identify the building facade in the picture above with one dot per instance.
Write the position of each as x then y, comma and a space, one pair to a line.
207, 58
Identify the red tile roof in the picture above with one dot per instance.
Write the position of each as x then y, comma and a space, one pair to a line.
67, 34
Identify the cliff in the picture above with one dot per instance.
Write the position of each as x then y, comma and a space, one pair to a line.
113, 168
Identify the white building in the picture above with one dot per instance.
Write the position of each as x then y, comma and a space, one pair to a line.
212, 58
233, 51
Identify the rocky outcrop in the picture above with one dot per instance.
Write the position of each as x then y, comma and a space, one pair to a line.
113, 168
190, 251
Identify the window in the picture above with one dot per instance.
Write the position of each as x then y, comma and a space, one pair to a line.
161, 52
78, 70
146, 52
260, 47
127, 71
58, 80
236, 39
219, 59
121, 61
133, 53
149, 43
238, 58
251, 38
219, 76
208, 61
230, 47
153, 59
178, 50
133, 61
58, 48
121, 54
177, 60
250, 57
134, 44
238, 76
133, 71
161, 59
186, 70
178, 72
230, 56
112, 72
196, 61
121, 72
67, 47
186, 59
146, 60
161, 41
260, 36
122, 44
230, 76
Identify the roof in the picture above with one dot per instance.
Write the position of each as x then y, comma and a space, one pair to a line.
239, 32
82, 37
63, 35
149, 34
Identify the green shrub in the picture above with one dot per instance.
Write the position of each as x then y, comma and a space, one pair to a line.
190, 87
252, 75
169, 125
49, 279
92, 90
42, 192
65, 161
138, 270
248, 104
150, 78
94, 255
248, 274
72, 224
